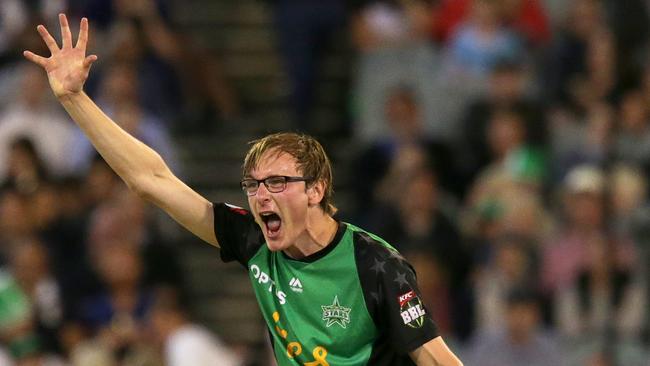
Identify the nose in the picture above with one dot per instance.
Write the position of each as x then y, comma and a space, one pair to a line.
263, 194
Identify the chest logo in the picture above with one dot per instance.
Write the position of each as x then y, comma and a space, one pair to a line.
295, 284
336, 314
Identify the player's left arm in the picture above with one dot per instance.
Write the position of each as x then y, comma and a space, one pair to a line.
435, 353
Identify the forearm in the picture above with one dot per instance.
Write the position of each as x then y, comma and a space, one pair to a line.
131, 159
435, 353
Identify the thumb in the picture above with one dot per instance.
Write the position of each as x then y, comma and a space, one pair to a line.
88, 61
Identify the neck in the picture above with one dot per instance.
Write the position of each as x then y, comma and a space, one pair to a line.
319, 232
124, 297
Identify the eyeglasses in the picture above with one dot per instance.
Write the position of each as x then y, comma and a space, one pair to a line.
275, 183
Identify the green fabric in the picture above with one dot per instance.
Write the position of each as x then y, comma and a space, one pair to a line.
14, 305
25, 346
317, 309
527, 164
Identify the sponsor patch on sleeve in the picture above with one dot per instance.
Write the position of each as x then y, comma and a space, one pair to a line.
411, 309
403, 299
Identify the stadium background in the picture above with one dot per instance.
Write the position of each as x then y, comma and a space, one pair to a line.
502, 145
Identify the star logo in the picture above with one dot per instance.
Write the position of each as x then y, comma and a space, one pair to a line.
336, 314
401, 279
378, 267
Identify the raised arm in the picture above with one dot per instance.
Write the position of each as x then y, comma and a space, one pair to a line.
141, 168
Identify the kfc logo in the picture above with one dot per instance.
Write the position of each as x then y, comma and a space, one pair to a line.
403, 299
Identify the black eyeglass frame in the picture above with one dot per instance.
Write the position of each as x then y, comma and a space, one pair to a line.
287, 179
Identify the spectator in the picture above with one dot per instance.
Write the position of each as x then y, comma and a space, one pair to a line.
173, 82
603, 296
526, 16
304, 28
29, 264
509, 88
16, 221
421, 225
629, 196
482, 41
582, 59
100, 183
116, 316
120, 98
389, 161
633, 135
579, 140
513, 165
124, 217
183, 341
520, 340
25, 168
16, 18
394, 52
16, 327
512, 265
566, 254
33, 116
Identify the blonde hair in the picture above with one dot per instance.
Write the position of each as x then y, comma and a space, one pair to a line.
311, 160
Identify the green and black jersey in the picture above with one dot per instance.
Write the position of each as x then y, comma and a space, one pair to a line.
353, 303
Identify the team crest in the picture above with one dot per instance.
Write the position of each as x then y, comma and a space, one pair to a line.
336, 314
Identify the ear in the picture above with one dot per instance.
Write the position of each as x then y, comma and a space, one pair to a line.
315, 192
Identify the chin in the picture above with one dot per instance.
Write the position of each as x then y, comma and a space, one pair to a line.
275, 245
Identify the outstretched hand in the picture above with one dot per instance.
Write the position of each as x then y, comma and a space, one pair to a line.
67, 67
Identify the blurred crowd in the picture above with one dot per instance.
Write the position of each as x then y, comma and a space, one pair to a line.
86, 275
502, 145
506, 153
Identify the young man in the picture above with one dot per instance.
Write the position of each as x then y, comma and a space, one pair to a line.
331, 293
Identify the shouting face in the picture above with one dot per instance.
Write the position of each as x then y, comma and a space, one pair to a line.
282, 215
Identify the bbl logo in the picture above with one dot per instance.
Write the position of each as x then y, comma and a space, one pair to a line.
411, 309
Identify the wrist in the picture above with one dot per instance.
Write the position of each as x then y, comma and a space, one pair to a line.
70, 97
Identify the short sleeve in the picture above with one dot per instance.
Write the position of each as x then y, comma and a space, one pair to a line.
409, 322
237, 233
392, 296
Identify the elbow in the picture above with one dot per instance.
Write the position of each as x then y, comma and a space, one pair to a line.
144, 185
151, 187
140, 187
147, 184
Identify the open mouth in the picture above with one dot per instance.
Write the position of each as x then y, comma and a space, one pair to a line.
272, 222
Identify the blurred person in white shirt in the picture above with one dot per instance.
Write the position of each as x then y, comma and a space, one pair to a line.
186, 343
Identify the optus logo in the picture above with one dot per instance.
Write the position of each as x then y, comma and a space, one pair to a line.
264, 279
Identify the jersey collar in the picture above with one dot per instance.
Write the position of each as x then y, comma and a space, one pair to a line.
326, 250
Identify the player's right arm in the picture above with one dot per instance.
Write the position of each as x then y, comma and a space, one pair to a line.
141, 168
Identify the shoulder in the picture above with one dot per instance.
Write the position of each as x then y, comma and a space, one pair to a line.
239, 236
369, 241
391, 293
374, 253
